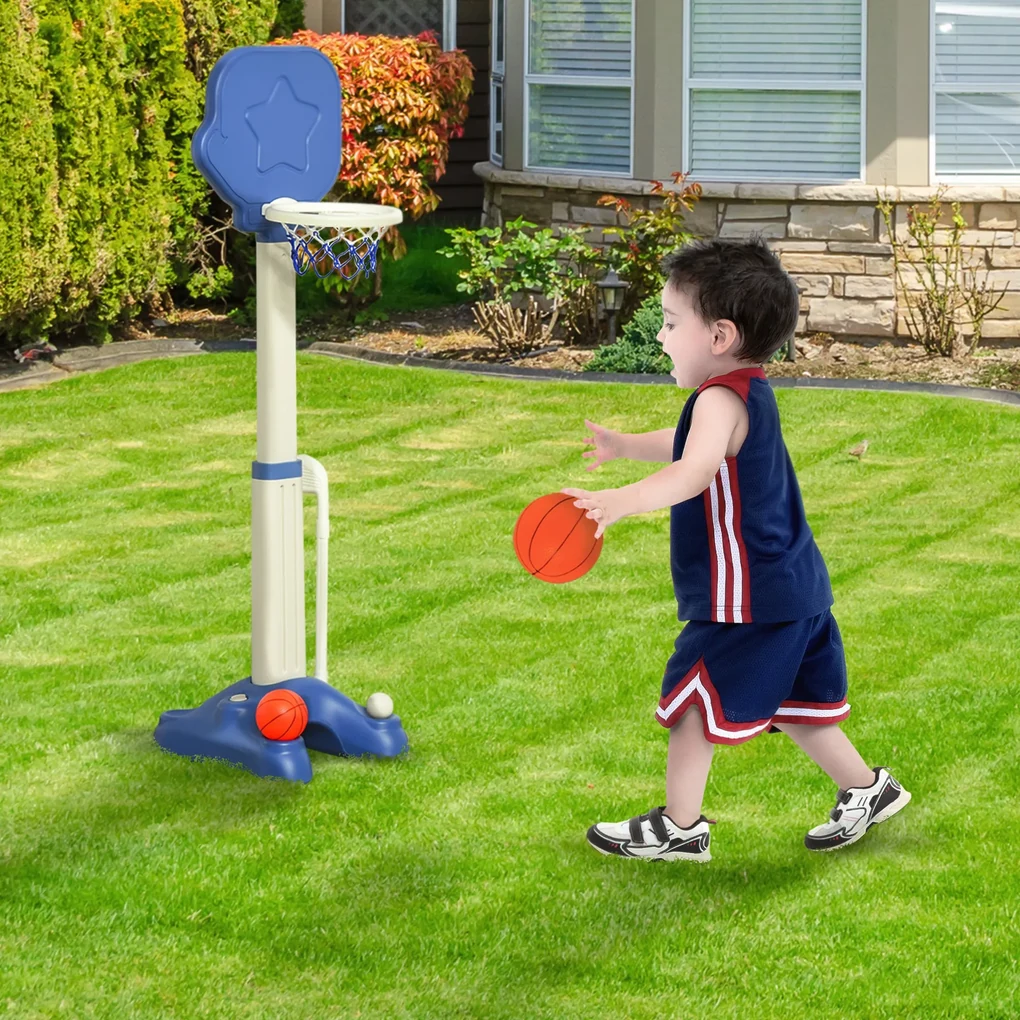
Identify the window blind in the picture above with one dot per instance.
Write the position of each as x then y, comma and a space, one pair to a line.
580, 37
977, 133
775, 89
579, 79
579, 127
760, 38
977, 43
977, 88
802, 134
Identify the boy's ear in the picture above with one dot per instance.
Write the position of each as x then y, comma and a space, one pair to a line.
725, 336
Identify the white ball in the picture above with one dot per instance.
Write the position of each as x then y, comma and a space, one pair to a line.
379, 705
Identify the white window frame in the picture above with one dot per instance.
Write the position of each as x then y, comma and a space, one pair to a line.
772, 84
449, 40
496, 157
934, 88
564, 79
497, 78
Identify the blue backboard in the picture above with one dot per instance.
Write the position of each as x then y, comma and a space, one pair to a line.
271, 130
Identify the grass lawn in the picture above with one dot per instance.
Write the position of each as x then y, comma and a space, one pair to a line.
455, 882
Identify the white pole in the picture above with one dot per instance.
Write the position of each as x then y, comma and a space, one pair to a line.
277, 554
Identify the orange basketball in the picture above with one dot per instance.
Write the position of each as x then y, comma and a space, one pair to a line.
554, 540
281, 715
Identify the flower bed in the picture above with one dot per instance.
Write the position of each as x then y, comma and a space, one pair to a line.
450, 332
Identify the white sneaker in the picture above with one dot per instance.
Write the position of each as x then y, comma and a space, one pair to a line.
856, 810
653, 837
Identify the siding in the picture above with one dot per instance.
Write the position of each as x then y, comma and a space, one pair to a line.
460, 189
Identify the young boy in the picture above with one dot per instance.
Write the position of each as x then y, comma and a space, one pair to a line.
761, 651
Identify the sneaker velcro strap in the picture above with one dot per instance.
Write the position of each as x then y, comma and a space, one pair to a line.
658, 825
636, 835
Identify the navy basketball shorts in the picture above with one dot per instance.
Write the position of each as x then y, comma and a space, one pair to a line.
743, 677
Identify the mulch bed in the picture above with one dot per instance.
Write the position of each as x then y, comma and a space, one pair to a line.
450, 333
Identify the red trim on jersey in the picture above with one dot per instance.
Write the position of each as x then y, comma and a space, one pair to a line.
739, 380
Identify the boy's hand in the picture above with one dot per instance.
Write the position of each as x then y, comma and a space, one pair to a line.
608, 445
604, 506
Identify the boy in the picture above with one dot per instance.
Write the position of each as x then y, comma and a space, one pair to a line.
761, 651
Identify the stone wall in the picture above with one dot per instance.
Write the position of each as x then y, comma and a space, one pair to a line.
832, 239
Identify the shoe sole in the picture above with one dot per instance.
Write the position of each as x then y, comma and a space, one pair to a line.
695, 859
897, 805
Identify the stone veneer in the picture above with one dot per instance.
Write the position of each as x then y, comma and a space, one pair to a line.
830, 238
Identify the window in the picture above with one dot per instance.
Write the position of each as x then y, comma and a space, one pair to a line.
496, 82
579, 85
402, 17
976, 90
774, 89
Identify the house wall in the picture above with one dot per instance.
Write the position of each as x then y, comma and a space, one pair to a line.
830, 238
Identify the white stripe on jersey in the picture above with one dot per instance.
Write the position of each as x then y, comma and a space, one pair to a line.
738, 576
720, 557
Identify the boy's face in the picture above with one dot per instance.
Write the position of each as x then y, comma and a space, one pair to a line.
698, 351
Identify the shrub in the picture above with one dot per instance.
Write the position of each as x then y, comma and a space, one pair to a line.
99, 199
214, 26
649, 236
951, 295
403, 100
34, 235
518, 258
638, 349
118, 90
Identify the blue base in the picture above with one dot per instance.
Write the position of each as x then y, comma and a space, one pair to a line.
221, 728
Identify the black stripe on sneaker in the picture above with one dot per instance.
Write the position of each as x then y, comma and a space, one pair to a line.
890, 792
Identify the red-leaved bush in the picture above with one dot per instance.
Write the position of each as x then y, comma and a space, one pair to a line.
403, 100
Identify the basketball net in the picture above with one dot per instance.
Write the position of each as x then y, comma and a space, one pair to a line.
347, 251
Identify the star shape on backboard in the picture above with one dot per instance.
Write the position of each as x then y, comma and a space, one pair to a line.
282, 126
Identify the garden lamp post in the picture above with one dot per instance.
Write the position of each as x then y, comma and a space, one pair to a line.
611, 289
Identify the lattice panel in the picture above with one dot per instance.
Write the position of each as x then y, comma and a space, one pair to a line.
394, 17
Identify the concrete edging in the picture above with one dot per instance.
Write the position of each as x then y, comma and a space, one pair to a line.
91, 359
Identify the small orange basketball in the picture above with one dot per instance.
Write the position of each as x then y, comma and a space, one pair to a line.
554, 540
281, 715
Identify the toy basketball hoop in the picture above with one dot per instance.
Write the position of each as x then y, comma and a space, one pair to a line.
272, 128
328, 237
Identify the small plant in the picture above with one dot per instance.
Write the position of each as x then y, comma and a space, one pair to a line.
951, 295
649, 236
510, 265
518, 256
516, 331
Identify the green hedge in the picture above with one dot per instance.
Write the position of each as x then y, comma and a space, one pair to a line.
100, 204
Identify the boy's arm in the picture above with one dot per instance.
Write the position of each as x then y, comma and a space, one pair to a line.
717, 411
655, 446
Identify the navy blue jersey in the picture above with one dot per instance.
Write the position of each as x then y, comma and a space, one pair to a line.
742, 551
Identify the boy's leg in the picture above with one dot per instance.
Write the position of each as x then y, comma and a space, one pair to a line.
830, 748
688, 761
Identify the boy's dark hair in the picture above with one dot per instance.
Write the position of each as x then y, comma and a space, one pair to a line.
743, 281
